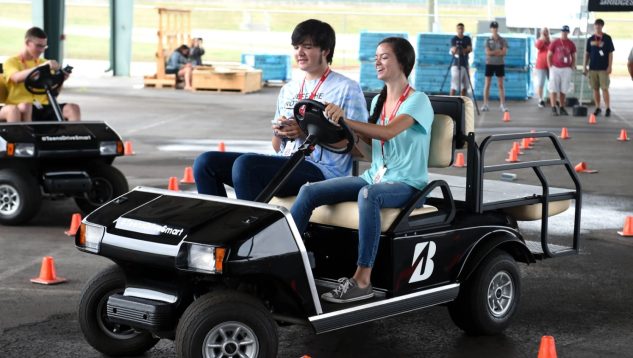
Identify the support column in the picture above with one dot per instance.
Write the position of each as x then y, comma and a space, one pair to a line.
121, 16
50, 16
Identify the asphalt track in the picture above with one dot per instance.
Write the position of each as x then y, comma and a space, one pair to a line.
583, 301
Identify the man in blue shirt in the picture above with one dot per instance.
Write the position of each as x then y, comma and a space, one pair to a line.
461, 46
599, 54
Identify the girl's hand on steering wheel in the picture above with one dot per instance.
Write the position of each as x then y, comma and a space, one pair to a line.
333, 112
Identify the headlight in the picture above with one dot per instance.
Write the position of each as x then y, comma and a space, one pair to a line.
89, 237
201, 258
24, 150
108, 148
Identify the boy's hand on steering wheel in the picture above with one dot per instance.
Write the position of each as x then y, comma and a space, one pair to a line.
333, 113
53, 64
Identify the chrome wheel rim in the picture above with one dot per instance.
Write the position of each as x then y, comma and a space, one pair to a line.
9, 200
500, 294
230, 339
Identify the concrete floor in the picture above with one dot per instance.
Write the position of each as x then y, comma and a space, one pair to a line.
583, 301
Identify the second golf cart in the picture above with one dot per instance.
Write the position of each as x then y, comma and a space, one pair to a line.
56, 158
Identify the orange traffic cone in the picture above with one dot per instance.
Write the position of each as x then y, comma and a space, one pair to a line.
127, 148
628, 227
592, 119
623, 136
173, 184
75, 222
459, 161
533, 139
506, 116
188, 176
582, 168
526, 143
513, 156
221, 147
516, 147
47, 273
547, 349
564, 134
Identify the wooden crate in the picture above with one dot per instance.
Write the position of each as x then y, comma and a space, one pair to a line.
227, 79
158, 82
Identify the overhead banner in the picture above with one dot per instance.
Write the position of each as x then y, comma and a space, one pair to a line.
610, 5
530, 14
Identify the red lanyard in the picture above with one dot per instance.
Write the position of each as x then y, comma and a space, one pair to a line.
316, 89
404, 95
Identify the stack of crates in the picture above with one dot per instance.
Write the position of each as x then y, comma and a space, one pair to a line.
274, 67
367, 54
520, 56
432, 64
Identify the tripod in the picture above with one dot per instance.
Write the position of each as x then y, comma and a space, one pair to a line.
459, 66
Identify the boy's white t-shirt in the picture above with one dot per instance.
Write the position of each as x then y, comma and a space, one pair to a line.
337, 89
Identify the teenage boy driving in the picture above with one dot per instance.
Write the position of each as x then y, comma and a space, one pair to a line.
248, 173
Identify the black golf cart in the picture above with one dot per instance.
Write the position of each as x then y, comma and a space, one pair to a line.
217, 274
56, 158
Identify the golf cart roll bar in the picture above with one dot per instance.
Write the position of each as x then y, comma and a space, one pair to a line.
475, 180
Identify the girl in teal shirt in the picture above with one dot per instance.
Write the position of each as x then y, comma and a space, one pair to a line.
400, 134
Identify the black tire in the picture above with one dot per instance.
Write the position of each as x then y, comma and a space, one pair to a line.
107, 337
471, 310
228, 310
20, 196
107, 183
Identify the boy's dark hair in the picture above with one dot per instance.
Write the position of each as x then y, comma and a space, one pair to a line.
599, 22
35, 33
321, 34
460, 24
182, 48
405, 54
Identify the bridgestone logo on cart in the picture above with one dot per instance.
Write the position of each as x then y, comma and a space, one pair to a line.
65, 138
424, 266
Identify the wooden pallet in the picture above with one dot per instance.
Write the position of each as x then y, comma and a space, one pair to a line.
153, 81
227, 79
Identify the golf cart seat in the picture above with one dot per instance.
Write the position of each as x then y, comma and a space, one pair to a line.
454, 116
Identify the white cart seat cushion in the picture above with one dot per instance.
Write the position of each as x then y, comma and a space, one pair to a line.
346, 214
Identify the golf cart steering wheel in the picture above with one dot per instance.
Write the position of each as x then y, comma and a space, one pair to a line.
311, 119
41, 79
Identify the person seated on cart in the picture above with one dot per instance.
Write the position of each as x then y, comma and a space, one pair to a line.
249, 173
178, 64
8, 113
16, 69
400, 130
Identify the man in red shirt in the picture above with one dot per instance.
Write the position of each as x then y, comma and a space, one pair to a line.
561, 60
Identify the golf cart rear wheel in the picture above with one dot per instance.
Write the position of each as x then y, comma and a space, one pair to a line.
105, 336
226, 324
489, 299
107, 183
20, 196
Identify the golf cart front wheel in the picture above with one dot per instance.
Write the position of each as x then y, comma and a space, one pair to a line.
107, 183
226, 324
20, 196
489, 299
107, 337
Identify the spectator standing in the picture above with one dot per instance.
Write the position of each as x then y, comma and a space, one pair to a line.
461, 47
561, 60
630, 64
196, 51
599, 56
541, 68
496, 50
179, 65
